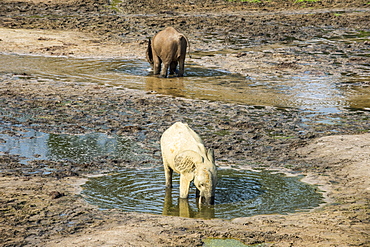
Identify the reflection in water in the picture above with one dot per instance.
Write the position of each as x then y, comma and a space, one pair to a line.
182, 208
238, 194
361, 100
170, 86
314, 92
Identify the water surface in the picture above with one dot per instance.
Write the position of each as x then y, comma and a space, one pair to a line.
308, 92
239, 193
219, 242
31, 145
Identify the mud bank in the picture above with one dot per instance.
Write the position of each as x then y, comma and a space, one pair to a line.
43, 207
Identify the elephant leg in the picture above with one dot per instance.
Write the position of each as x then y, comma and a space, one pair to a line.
168, 174
157, 65
173, 66
185, 180
164, 70
181, 67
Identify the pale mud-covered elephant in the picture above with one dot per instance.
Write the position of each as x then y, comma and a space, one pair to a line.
183, 151
168, 47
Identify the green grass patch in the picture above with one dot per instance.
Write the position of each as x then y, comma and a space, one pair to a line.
307, 1
282, 137
222, 132
245, 1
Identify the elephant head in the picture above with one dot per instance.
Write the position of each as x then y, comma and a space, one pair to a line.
202, 170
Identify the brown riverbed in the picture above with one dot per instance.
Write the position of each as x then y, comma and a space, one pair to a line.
39, 208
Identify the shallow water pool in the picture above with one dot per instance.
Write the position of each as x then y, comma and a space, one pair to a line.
239, 193
308, 92
35, 145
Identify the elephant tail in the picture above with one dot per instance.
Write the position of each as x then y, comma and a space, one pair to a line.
187, 43
149, 53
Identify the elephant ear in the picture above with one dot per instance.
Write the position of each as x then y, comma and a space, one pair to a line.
186, 161
149, 53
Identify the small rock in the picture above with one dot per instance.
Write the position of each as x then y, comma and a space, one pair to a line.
56, 194
240, 54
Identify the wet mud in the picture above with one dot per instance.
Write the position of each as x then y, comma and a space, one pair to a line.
239, 134
40, 204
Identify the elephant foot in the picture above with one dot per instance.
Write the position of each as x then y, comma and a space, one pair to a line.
172, 72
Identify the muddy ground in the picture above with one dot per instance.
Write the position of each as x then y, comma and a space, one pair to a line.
45, 209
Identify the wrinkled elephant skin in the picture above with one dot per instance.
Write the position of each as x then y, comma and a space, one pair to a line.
183, 151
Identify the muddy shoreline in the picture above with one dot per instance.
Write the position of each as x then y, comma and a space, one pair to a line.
39, 207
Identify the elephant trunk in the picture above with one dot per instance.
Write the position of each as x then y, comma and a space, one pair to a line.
207, 200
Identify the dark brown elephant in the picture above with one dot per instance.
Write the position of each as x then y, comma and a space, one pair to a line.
168, 47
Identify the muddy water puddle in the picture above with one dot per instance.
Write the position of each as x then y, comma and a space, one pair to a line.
306, 91
228, 242
31, 145
323, 75
239, 193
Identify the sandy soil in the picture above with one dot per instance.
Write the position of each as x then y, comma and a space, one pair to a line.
64, 43
48, 211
